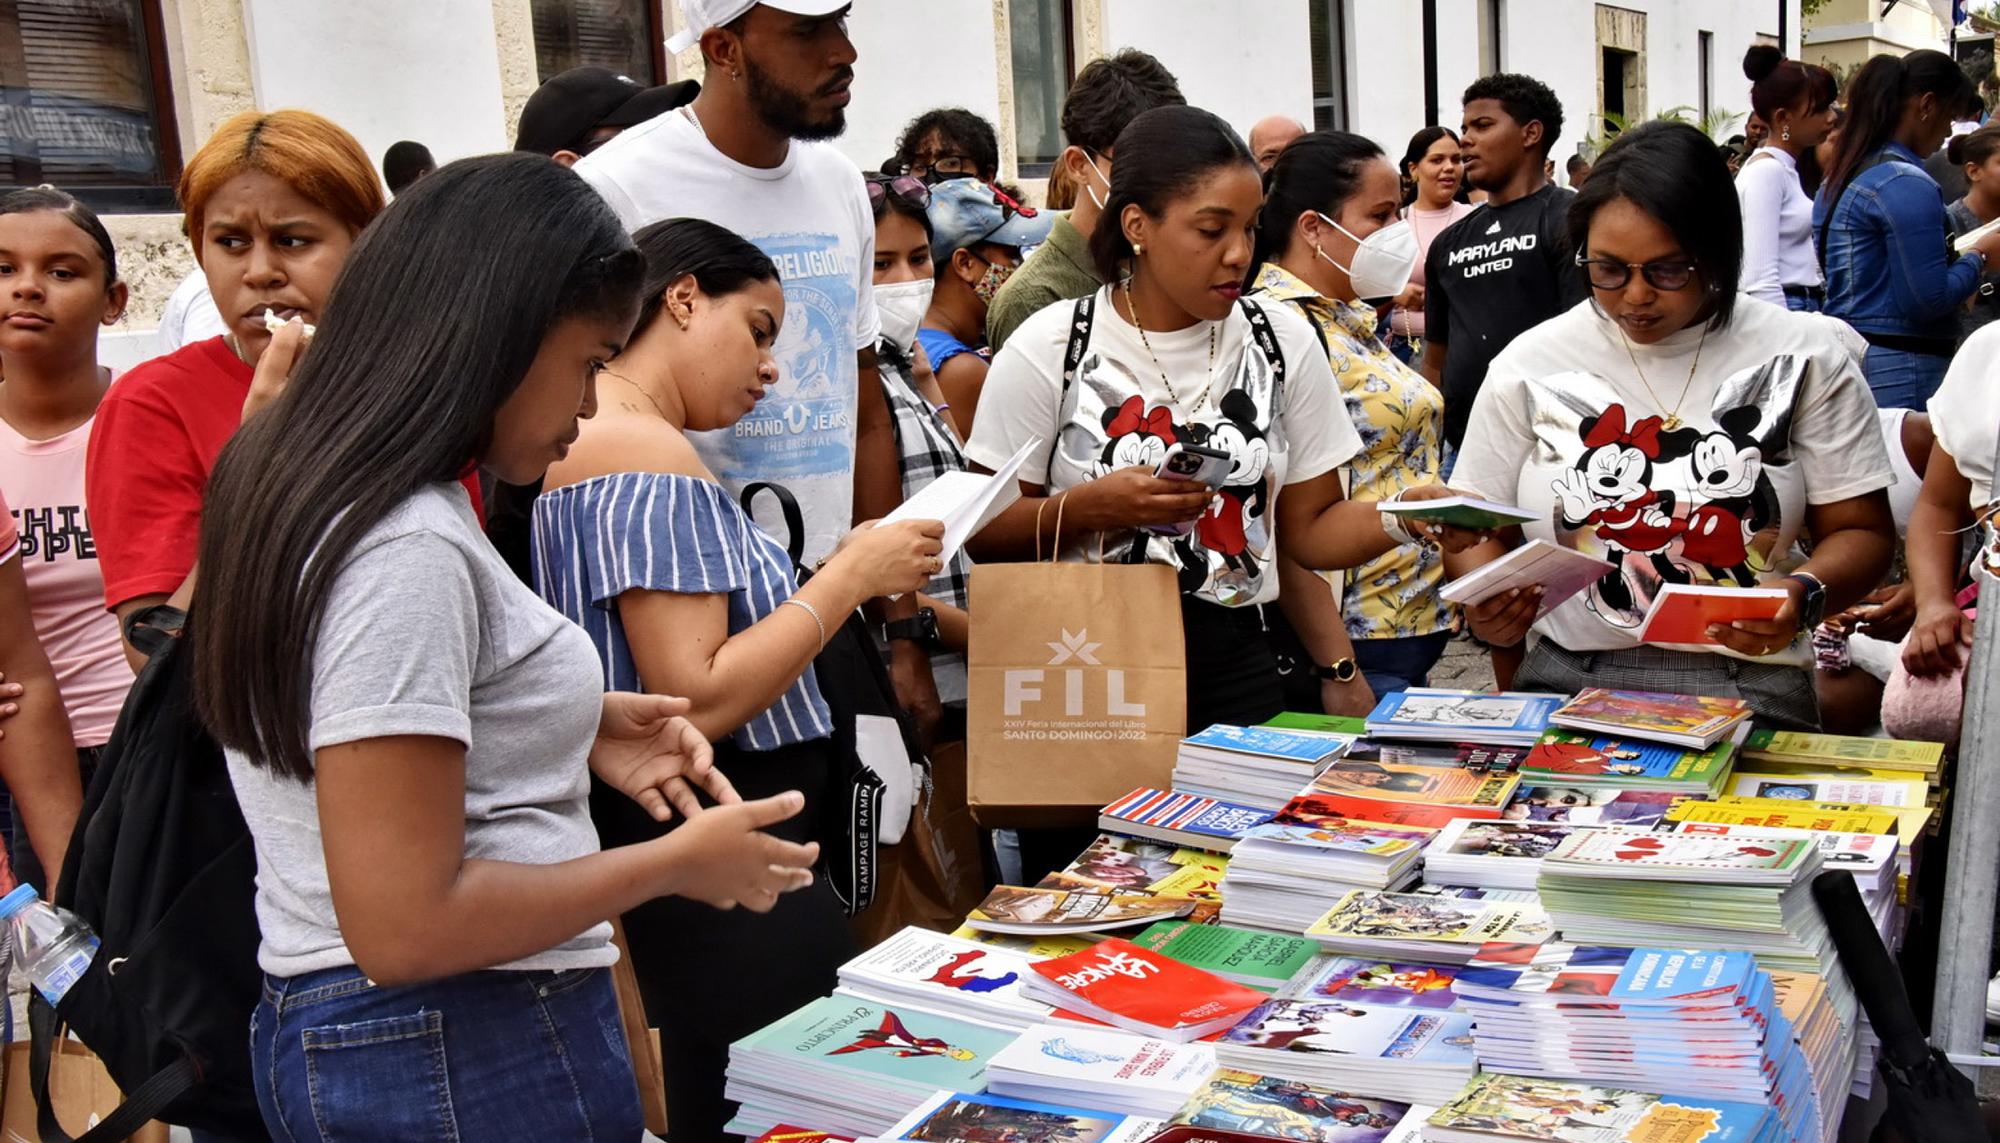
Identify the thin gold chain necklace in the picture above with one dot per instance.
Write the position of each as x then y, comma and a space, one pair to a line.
1209, 384
1672, 419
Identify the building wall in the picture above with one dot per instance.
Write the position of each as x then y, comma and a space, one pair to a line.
916, 55
1255, 62
1844, 33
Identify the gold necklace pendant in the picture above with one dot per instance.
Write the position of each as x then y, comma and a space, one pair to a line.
1671, 422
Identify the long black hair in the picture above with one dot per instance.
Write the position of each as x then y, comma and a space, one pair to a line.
30, 199
1317, 172
721, 261
1420, 145
435, 319
1673, 172
1161, 154
1876, 97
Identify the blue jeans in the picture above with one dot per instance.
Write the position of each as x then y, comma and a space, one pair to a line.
1399, 664
482, 1055
1901, 379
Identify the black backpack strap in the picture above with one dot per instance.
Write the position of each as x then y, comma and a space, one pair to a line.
1082, 319
1267, 344
139, 1108
795, 520
149, 628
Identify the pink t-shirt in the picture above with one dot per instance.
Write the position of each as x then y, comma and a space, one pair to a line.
43, 484
1427, 224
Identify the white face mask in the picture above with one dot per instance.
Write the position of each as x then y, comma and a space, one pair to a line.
1096, 176
902, 306
1383, 261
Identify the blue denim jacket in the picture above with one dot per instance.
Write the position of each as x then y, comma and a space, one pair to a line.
1887, 252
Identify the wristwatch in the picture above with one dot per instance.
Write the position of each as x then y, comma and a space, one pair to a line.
1340, 671
922, 628
1813, 608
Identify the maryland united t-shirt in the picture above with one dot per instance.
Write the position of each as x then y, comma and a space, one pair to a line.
1776, 417
810, 214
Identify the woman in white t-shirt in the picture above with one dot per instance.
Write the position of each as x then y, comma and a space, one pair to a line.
1171, 354
1958, 489
1795, 99
1686, 434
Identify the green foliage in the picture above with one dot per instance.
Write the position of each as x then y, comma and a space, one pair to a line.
1718, 125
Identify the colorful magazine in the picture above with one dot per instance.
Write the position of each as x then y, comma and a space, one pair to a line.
1180, 819
1592, 805
1570, 757
1298, 824
1685, 719
1373, 983
1270, 1108
1529, 841
1013, 909
954, 1117
1680, 856
922, 967
1325, 1028
1307, 748
1504, 1107
1795, 747
1909, 822
1805, 788
1486, 793
1119, 863
1258, 959
1367, 914
1425, 712
904, 1048
1142, 991
1642, 978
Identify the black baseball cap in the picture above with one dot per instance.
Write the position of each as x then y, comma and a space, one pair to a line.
564, 111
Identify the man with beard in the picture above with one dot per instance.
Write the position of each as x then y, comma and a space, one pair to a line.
750, 154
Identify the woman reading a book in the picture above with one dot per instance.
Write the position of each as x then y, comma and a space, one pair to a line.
682, 593
1685, 435
1330, 244
411, 734
1170, 354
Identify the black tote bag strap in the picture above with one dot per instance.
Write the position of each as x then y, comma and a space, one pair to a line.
140, 1107
1082, 318
1267, 344
795, 520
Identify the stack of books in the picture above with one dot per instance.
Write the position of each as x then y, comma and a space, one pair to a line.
1263, 961
959, 1117
1494, 855
1784, 750
1260, 766
1426, 928
1102, 1068
1499, 1108
1643, 890
1054, 912
1282, 873
852, 1068
1593, 805
1369, 983
1694, 1022
1405, 1054
1684, 720
1428, 714
1177, 818
1862, 788
952, 977
1870, 858
1123, 985
1583, 759
1243, 1105
1417, 786
1114, 864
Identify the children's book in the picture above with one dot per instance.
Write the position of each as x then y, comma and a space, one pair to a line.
1688, 720
1462, 716
1265, 1107
1013, 909
955, 1117
1482, 793
1373, 983
1573, 757
1142, 991
1100, 1067
1503, 1107
1560, 572
1592, 805
1682, 613
1683, 857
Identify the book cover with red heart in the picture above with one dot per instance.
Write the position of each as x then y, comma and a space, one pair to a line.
1118, 982
1680, 851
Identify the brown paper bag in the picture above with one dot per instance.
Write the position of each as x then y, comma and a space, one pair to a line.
1077, 688
79, 1085
642, 1042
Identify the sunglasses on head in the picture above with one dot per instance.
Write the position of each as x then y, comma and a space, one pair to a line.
907, 189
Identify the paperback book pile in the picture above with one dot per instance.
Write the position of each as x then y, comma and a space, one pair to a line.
1180, 819
1493, 855
1032, 912
1870, 858
1694, 1022
1133, 865
1784, 750
1101, 1067
1888, 789
1430, 714
1370, 983
1408, 1054
1249, 1106
1426, 928
946, 975
1636, 890
1380, 781
1686, 720
853, 1068
956, 1117
1283, 872
1263, 961
1593, 805
1498, 1107
1580, 758
1260, 766
1124, 985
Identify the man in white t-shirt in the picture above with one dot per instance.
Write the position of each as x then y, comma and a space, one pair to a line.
750, 154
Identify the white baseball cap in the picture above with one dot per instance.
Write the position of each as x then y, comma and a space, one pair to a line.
701, 15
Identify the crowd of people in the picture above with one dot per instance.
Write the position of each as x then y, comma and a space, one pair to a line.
514, 520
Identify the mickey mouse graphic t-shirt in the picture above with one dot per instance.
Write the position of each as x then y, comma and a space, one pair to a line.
1776, 416
1120, 412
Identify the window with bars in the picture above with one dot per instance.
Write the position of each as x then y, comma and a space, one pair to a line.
623, 35
84, 101
1328, 20
1042, 54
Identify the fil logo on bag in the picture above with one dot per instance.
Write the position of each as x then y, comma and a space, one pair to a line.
1073, 653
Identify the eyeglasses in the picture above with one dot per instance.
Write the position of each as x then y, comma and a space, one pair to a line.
907, 189
1608, 275
941, 167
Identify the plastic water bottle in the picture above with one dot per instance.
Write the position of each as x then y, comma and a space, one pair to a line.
53, 946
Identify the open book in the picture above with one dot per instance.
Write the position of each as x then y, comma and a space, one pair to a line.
965, 501
1560, 572
1682, 613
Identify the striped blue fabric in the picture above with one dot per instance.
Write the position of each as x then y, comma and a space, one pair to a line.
600, 538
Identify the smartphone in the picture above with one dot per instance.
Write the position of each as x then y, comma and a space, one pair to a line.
1194, 463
